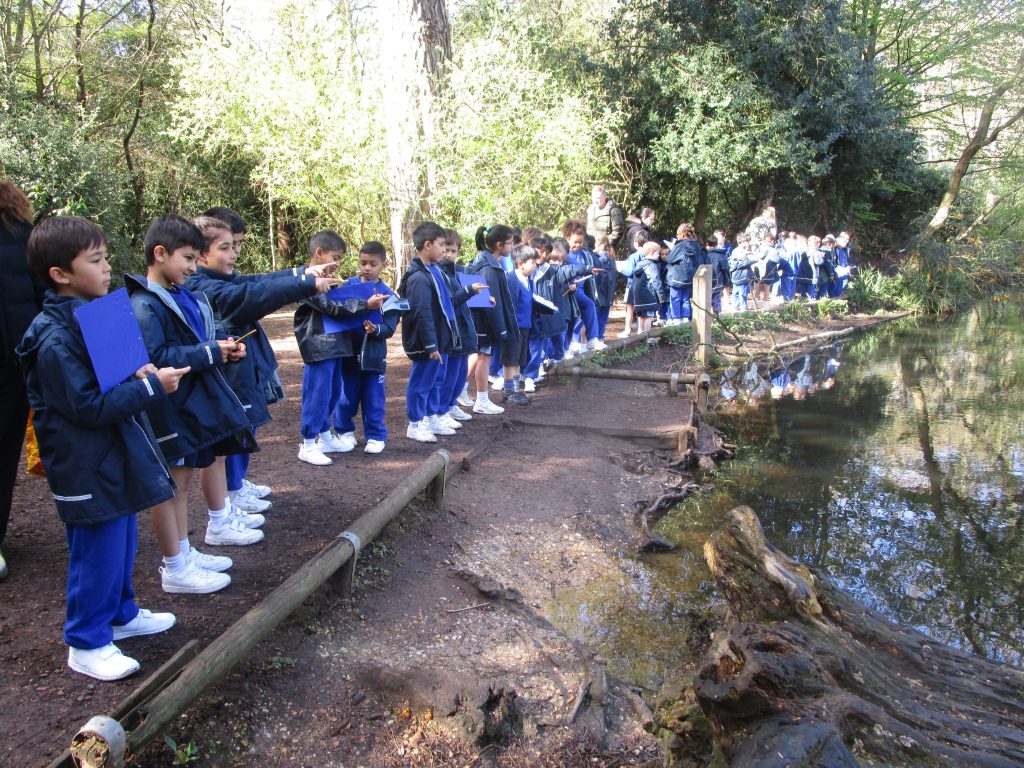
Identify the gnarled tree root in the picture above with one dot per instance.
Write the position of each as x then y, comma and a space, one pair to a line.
804, 675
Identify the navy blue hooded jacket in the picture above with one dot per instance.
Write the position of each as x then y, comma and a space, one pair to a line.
607, 281
21, 295
204, 412
100, 457
425, 327
497, 324
239, 302
551, 281
683, 260
648, 290
463, 314
372, 348
719, 262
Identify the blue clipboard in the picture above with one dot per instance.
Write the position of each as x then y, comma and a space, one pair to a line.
112, 337
480, 300
359, 290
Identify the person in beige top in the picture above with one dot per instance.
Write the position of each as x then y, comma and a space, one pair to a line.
604, 217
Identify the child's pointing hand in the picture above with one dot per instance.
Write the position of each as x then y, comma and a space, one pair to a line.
376, 301
169, 377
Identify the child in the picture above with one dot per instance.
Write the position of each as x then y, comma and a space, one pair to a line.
496, 324
648, 290
428, 328
826, 272
585, 297
641, 238
322, 355
362, 374
683, 260
806, 273
741, 263
203, 418
515, 354
454, 382
607, 283
238, 304
719, 264
766, 268
101, 458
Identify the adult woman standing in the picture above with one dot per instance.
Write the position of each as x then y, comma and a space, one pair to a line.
20, 301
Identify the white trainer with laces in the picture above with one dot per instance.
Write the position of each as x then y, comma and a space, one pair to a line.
311, 454
487, 407
193, 581
334, 444
145, 623
497, 383
464, 399
374, 446
460, 415
449, 422
417, 432
216, 563
106, 663
596, 344
259, 491
231, 533
435, 425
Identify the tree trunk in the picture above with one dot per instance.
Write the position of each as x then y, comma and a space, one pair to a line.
700, 214
416, 43
136, 177
804, 675
79, 62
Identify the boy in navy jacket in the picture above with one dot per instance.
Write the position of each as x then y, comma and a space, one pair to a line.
515, 355
203, 419
322, 355
238, 303
101, 458
362, 374
428, 328
454, 384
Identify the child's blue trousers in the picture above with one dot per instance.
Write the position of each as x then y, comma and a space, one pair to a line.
100, 562
321, 393
679, 302
422, 377
236, 467
454, 380
602, 320
362, 389
538, 347
434, 405
740, 294
588, 316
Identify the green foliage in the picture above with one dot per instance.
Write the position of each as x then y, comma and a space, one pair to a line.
794, 312
871, 291
184, 754
829, 307
280, 661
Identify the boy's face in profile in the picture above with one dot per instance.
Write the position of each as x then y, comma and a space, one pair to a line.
433, 250
220, 255
88, 276
176, 267
370, 267
527, 267
236, 243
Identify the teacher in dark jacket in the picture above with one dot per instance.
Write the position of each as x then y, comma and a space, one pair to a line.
20, 301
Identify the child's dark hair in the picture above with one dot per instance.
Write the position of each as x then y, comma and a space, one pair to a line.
711, 241
573, 227
560, 245
517, 236
375, 248
56, 241
541, 243
230, 217
523, 253
451, 237
326, 240
172, 232
426, 232
590, 243
641, 239
210, 226
487, 238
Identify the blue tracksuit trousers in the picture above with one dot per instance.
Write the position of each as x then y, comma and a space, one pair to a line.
365, 390
679, 302
321, 393
588, 316
538, 348
422, 377
602, 320
454, 380
100, 562
434, 405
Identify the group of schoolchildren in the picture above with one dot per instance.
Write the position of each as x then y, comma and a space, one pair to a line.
776, 268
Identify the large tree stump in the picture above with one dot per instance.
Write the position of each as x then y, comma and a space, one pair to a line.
804, 675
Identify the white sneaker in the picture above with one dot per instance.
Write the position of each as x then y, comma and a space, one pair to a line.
464, 399
417, 432
529, 386
215, 563
449, 422
596, 344
248, 519
259, 491
337, 443
623, 334
145, 623
497, 383
438, 427
311, 454
575, 348
486, 406
106, 663
231, 533
245, 499
374, 446
193, 581
458, 414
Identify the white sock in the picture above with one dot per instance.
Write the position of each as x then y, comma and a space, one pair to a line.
184, 547
326, 435
176, 564
219, 517
483, 397
308, 443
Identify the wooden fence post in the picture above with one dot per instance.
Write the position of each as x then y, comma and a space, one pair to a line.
701, 305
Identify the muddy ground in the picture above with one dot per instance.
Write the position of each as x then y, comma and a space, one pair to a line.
540, 509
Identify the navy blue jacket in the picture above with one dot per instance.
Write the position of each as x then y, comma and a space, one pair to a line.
719, 262
463, 314
516, 290
551, 281
238, 303
607, 281
648, 289
204, 412
584, 258
372, 348
315, 343
100, 457
425, 327
497, 324
683, 260
21, 295
741, 262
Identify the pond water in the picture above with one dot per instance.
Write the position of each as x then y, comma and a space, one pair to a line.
893, 462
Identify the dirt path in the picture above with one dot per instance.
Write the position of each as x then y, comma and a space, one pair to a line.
540, 509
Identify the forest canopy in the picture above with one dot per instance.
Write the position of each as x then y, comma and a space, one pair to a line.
894, 118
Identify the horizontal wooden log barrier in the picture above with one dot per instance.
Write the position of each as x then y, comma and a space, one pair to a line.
655, 377
228, 649
562, 367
